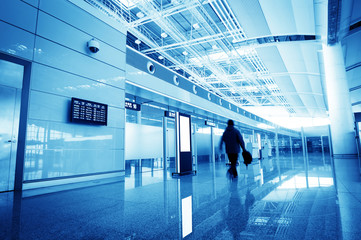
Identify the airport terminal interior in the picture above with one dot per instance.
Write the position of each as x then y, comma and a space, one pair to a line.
112, 114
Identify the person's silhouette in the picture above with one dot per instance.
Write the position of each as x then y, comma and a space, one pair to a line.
233, 140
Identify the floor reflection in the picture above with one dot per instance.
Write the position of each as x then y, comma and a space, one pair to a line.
237, 214
282, 203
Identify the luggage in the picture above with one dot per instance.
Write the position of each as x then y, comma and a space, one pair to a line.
247, 157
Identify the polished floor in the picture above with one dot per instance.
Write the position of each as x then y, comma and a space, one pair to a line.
285, 199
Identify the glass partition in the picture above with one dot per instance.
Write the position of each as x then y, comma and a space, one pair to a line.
297, 153
144, 139
220, 156
203, 135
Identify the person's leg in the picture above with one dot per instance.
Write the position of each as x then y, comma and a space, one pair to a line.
233, 157
235, 173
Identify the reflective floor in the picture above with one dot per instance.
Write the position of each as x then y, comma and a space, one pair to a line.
269, 200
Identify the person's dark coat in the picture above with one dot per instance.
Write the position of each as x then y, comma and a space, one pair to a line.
233, 140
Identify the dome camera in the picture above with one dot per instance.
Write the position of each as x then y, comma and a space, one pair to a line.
93, 46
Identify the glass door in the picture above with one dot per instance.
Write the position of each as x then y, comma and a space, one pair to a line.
11, 78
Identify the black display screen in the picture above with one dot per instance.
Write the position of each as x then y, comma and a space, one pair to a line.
83, 111
169, 114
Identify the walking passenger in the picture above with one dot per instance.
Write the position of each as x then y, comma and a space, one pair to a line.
233, 140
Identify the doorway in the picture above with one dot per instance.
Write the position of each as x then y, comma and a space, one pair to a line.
11, 83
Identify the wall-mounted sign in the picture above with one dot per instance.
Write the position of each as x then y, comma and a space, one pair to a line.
208, 123
83, 111
169, 114
132, 106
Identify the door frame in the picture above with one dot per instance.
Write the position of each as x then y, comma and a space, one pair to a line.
23, 117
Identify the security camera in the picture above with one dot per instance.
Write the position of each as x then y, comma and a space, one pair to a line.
93, 46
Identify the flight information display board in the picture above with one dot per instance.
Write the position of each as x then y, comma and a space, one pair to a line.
83, 111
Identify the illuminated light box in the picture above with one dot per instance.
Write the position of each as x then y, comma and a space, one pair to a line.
88, 112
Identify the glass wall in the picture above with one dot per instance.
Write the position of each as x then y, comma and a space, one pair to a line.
218, 132
145, 133
203, 140
11, 81
144, 139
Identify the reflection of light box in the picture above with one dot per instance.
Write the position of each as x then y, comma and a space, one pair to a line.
186, 216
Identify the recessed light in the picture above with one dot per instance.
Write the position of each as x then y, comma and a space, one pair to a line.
214, 47
185, 53
160, 57
177, 68
196, 26
164, 35
137, 41
140, 14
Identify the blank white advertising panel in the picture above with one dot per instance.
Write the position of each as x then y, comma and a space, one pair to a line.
185, 134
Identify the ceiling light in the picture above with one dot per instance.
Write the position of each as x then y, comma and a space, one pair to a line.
214, 47
196, 26
140, 14
177, 68
137, 41
185, 53
160, 57
164, 35
234, 40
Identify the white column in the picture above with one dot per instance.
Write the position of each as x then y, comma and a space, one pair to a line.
213, 154
339, 104
165, 141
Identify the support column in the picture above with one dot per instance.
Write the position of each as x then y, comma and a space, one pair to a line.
339, 104
305, 155
291, 149
213, 154
165, 140
277, 154
323, 152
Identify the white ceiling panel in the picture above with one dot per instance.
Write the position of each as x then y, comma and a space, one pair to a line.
304, 16
301, 83
321, 104
310, 54
315, 82
279, 16
295, 100
272, 59
285, 84
250, 15
285, 17
309, 102
292, 57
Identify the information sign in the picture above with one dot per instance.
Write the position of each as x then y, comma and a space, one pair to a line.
169, 114
132, 106
83, 111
